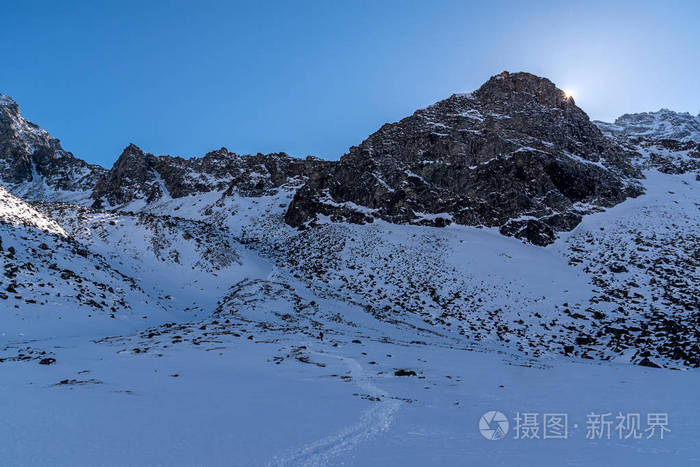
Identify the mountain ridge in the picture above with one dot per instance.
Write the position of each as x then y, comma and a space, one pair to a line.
206, 237
33, 164
662, 124
471, 159
137, 175
516, 154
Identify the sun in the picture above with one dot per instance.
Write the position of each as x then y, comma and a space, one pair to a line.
568, 93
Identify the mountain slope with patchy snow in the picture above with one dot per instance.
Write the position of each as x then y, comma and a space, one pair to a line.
52, 285
183, 307
663, 124
664, 140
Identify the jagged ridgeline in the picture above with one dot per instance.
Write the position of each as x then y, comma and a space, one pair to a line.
141, 176
517, 154
159, 234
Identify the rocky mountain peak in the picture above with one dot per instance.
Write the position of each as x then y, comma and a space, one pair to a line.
133, 176
132, 150
515, 154
133, 159
34, 165
9, 103
522, 87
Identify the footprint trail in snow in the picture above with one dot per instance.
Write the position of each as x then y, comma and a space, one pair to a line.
373, 421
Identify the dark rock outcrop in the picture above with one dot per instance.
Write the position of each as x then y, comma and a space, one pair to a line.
138, 175
515, 154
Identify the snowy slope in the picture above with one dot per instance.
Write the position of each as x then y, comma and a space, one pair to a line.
240, 392
296, 364
256, 383
486, 290
54, 286
15, 211
188, 264
571, 298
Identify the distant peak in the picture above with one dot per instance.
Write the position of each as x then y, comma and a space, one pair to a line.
131, 148
132, 156
504, 84
662, 124
9, 103
7, 100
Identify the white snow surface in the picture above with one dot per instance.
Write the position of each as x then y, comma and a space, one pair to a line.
245, 355
15, 211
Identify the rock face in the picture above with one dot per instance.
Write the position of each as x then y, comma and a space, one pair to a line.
515, 154
33, 164
142, 176
665, 140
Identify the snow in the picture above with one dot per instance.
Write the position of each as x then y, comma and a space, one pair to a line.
472, 114
415, 175
230, 404
15, 211
433, 216
243, 377
383, 183
585, 161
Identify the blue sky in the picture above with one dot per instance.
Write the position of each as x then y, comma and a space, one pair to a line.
304, 77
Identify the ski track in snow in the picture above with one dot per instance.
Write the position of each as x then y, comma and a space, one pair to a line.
373, 421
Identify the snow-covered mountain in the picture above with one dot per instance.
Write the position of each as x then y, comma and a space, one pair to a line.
664, 124
494, 244
34, 165
665, 140
516, 157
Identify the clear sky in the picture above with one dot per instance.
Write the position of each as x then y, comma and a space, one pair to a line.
315, 77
